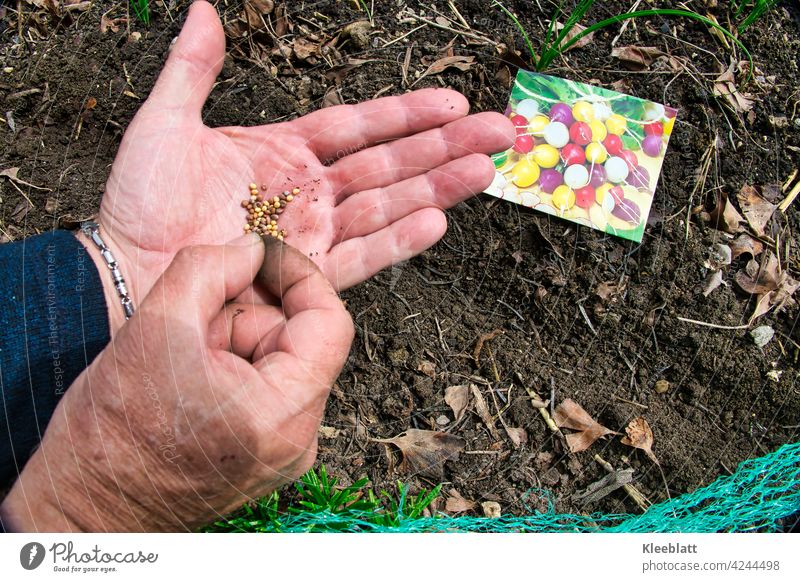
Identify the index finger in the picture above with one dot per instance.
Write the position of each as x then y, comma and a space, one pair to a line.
335, 132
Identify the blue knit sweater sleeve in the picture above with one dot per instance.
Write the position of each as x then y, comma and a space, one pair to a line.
53, 322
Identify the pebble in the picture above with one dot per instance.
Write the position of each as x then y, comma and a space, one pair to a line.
762, 335
662, 386
443, 420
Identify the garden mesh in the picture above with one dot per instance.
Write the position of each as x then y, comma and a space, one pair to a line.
757, 497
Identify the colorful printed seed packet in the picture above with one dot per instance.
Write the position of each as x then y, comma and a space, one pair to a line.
584, 153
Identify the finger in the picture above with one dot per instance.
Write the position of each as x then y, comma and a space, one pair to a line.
370, 211
335, 132
239, 327
202, 278
484, 133
318, 330
357, 259
193, 63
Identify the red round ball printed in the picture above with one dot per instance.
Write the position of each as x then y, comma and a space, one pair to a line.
584, 197
655, 128
523, 144
617, 193
630, 159
520, 122
573, 154
580, 133
613, 144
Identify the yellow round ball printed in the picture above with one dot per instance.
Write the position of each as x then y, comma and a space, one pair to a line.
668, 125
596, 153
525, 173
583, 111
563, 198
546, 155
537, 124
616, 124
601, 191
599, 132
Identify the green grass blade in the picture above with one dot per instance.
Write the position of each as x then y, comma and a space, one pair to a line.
518, 24
656, 12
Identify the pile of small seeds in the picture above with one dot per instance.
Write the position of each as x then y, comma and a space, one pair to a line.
263, 212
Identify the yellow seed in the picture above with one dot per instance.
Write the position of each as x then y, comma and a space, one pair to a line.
276, 199
246, 227
253, 186
295, 190
289, 198
279, 237
274, 233
273, 222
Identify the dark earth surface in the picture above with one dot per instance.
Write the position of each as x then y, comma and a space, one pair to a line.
500, 267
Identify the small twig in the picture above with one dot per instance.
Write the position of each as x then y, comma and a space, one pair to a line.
783, 206
451, 29
586, 318
535, 401
789, 180
638, 497
714, 325
458, 15
626, 401
399, 38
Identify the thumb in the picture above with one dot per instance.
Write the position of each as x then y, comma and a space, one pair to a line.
193, 63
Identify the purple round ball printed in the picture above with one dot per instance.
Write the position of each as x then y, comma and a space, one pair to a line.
652, 145
639, 178
627, 211
597, 176
549, 180
562, 113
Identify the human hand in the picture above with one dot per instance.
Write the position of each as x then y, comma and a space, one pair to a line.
196, 406
366, 204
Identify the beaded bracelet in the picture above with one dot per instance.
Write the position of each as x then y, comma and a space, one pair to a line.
92, 230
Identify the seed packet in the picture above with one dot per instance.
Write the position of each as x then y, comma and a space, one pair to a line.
583, 153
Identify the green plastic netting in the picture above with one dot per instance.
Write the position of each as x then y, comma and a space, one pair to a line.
761, 493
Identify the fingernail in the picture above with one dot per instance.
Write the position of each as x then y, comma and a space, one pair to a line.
246, 240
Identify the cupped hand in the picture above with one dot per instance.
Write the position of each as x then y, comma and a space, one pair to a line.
374, 177
198, 404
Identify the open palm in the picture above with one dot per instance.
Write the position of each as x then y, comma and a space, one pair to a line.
374, 177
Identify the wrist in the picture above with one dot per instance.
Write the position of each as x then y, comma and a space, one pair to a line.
116, 313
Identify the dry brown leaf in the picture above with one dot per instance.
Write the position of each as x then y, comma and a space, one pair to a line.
517, 435
13, 175
725, 217
713, 281
637, 57
570, 414
457, 398
462, 63
425, 451
483, 411
755, 208
111, 24
575, 31
21, 211
427, 368
331, 98
457, 504
758, 279
744, 243
304, 49
640, 436
725, 86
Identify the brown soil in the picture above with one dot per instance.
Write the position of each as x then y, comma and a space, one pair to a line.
500, 266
